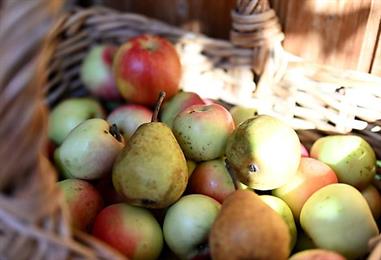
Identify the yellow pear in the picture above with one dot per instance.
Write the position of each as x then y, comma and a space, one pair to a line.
151, 171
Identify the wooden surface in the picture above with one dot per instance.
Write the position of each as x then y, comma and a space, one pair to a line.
343, 33
211, 17
335, 32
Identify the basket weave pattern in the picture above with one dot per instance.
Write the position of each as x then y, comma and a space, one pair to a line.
33, 219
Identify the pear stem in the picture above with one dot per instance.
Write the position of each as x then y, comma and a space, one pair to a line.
231, 171
158, 106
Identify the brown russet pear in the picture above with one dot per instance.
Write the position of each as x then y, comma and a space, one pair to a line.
151, 171
247, 228
264, 152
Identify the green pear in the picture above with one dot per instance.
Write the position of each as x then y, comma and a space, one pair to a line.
89, 151
65, 116
337, 217
241, 113
350, 156
285, 212
264, 152
151, 171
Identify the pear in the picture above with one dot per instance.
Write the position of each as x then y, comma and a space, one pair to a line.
264, 152
351, 157
151, 171
247, 228
337, 217
89, 150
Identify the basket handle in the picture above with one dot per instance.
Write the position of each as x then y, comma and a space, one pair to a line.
256, 26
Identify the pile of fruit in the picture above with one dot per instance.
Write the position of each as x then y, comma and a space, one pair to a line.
156, 172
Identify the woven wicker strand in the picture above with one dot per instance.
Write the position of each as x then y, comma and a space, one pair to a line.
33, 219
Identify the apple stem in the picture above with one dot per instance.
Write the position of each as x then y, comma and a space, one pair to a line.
156, 111
114, 131
231, 171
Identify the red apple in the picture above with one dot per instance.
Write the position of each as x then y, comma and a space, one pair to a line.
373, 197
212, 179
177, 104
83, 200
304, 151
129, 117
132, 230
310, 177
203, 130
96, 72
146, 65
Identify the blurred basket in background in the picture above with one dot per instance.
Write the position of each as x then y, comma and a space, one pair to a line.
314, 99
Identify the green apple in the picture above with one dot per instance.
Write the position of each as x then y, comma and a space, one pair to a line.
69, 113
285, 212
132, 230
96, 72
316, 254
242, 113
89, 151
191, 166
350, 156
338, 218
187, 224
202, 131
303, 242
373, 197
177, 104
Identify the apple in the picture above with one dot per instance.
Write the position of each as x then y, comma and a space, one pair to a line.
96, 72
303, 242
202, 131
351, 157
191, 166
242, 113
129, 117
132, 230
144, 66
105, 187
304, 151
69, 113
89, 151
83, 200
187, 224
212, 179
311, 176
317, 254
373, 197
177, 104
285, 212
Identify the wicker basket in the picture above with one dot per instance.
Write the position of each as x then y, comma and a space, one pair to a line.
315, 100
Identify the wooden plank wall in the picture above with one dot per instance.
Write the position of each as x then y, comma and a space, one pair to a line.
211, 17
343, 33
335, 32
